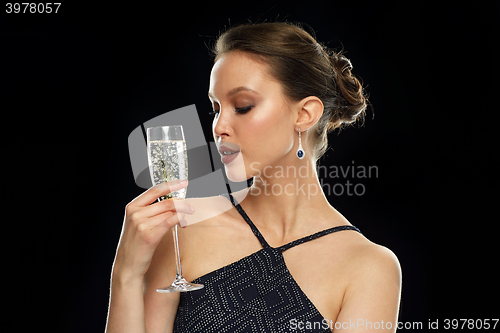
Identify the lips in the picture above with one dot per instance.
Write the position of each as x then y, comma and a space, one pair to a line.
229, 151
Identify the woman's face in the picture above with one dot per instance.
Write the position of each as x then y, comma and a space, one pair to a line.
254, 125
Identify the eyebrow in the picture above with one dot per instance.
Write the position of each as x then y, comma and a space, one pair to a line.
235, 91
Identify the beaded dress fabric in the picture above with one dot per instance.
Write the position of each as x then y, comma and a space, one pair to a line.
256, 294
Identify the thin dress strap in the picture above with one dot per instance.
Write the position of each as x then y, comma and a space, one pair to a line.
317, 235
255, 231
292, 243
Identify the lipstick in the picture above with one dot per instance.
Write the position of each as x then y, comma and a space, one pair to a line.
228, 151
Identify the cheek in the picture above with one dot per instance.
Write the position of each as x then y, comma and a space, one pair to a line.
270, 134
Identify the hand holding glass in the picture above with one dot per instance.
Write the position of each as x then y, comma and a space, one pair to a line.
167, 156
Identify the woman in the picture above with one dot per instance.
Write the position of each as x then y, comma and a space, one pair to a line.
282, 259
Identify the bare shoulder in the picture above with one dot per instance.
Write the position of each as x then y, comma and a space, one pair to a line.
378, 259
369, 260
373, 287
363, 255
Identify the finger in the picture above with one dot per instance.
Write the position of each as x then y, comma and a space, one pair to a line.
163, 206
166, 220
157, 191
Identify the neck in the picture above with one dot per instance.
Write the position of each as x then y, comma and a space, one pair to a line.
286, 196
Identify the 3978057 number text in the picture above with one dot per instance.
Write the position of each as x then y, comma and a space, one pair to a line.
470, 324
32, 7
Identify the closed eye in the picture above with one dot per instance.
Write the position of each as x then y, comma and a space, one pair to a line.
244, 109
238, 110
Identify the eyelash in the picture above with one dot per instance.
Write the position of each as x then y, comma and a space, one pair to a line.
238, 110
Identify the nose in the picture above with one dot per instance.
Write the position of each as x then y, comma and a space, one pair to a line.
221, 126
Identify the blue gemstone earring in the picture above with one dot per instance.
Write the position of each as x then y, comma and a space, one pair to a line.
300, 151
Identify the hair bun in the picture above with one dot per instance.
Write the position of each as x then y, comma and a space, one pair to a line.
351, 102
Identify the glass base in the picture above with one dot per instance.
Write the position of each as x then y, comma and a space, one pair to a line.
180, 285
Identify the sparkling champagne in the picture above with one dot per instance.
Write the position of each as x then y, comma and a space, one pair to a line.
167, 162
167, 155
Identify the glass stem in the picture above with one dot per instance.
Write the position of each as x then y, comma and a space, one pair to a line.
178, 269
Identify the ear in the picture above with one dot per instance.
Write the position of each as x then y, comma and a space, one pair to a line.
310, 110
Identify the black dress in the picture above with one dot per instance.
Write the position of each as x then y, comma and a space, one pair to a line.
256, 294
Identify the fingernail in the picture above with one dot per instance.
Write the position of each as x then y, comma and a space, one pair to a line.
184, 181
192, 208
183, 223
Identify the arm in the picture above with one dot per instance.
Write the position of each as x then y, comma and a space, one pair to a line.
126, 307
371, 301
144, 227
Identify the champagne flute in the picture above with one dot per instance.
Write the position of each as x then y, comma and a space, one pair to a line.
167, 157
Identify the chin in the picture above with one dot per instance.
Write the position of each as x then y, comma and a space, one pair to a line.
235, 170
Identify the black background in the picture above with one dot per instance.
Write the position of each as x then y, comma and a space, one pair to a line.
76, 83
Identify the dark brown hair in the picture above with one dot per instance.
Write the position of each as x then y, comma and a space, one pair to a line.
305, 68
